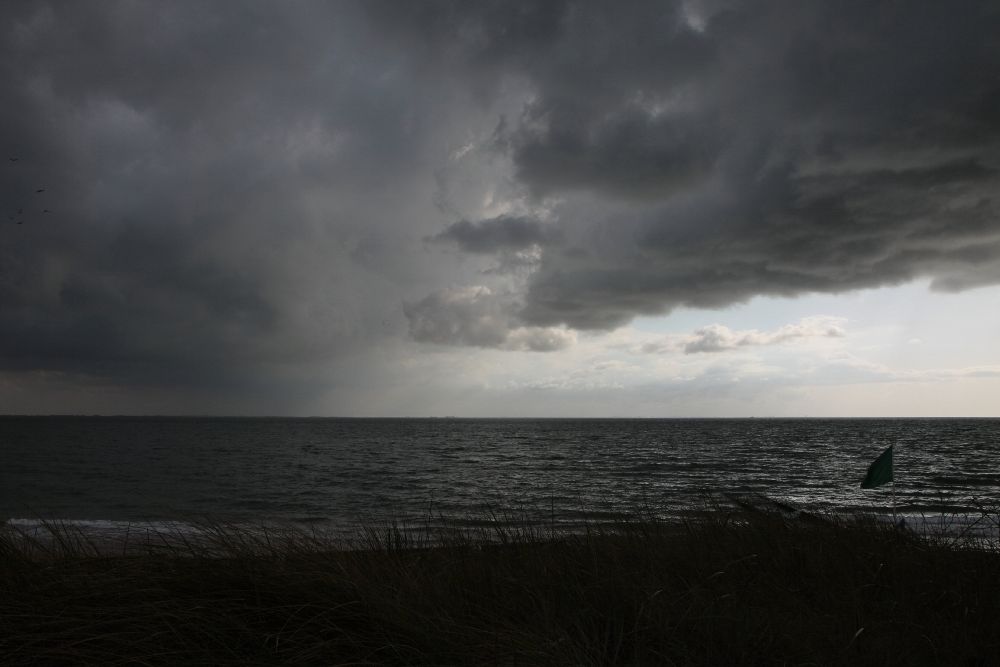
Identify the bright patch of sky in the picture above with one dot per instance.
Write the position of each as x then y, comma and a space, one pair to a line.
909, 325
890, 351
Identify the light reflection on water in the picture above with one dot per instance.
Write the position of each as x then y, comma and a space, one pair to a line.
346, 470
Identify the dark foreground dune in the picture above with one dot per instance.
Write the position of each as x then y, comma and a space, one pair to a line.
725, 589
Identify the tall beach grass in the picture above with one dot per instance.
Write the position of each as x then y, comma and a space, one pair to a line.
723, 588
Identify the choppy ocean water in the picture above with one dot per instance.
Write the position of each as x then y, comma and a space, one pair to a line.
340, 472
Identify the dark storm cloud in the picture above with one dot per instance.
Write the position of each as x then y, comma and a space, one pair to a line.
217, 184
234, 194
505, 232
597, 69
832, 233
704, 153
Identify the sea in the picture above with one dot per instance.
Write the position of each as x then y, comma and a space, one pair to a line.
338, 474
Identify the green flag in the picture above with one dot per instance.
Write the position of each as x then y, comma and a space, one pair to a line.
880, 471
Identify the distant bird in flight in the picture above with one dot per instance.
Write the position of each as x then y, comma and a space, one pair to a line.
13, 159
46, 211
39, 190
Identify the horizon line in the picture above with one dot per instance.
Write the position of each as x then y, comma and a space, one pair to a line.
467, 418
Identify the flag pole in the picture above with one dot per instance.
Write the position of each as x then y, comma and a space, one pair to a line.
892, 482
894, 487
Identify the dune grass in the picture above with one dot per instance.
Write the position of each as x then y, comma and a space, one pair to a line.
723, 589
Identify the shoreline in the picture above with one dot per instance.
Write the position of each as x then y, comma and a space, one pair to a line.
981, 526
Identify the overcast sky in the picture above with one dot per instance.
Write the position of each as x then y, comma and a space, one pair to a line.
700, 208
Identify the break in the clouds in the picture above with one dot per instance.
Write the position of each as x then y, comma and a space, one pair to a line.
250, 198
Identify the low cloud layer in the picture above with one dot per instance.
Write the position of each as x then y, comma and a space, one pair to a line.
720, 338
